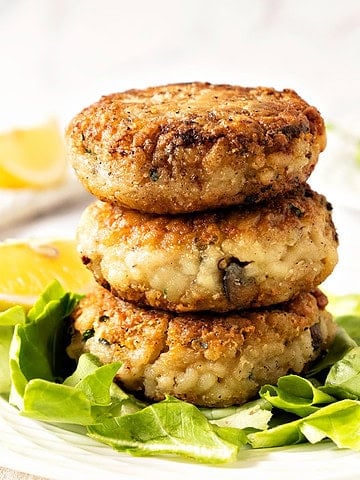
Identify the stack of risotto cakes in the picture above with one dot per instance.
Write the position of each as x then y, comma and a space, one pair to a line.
206, 242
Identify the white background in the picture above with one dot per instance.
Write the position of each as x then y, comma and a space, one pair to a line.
58, 55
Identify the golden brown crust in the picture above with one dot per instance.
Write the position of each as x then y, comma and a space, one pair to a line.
191, 147
220, 260
128, 325
154, 343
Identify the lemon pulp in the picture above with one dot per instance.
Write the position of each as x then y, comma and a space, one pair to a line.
27, 267
33, 158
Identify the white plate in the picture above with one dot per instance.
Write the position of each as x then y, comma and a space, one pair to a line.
18, 206
56, 453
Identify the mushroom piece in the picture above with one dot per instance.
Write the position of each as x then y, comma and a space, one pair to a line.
238, 287
316, 337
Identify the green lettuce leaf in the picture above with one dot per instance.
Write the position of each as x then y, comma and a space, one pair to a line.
82, 399
37, 349
54, 301
6, 334
339, 422
285, 434
342, 344
295, 395
53, 402
351, 324
42, 389
167, 427
12, 316
8, 319
251, 415
94, 379
343, 379
236, 436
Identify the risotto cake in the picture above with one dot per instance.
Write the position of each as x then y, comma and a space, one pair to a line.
195, 146
222, 260
206, 359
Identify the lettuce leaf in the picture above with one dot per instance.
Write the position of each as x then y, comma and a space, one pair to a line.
346, 311
295, 395
6, 334
339, 422
351, 324
53, 402
251, 415
12, 316
168, 427
288, 433
343, 379
342, 344
8, 319
37, 346
88, 397
327, 402
82, 399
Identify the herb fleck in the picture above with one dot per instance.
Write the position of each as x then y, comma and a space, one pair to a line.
88, 334
296, 210
154, 175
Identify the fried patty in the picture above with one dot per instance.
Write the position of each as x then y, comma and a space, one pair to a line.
205, 359
221, 260
191, 147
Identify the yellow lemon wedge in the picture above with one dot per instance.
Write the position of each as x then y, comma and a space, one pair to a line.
27, 268
32, 158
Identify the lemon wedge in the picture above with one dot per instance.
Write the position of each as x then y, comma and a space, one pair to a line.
32, 158
27, 268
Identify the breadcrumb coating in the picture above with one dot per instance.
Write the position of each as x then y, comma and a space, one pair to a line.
220, 261
206, 359
194, 146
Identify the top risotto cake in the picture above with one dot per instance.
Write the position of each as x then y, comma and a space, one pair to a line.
192, 147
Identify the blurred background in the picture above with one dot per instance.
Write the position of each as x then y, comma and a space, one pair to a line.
57, 56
